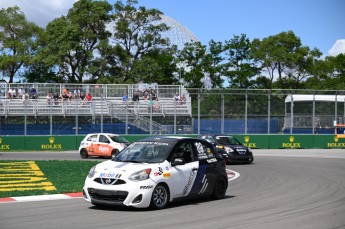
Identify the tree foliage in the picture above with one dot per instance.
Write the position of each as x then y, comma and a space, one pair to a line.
136, 33
240, 68
72, 40
201, 67
18, 41
284, 58
124, 43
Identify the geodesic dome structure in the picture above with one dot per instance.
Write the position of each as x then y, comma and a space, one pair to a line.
177, 34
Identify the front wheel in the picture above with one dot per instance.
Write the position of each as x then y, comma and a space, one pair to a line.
160, 197
83, 153
251, 160
220, 188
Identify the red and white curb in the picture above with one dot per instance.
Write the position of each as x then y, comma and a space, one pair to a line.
232, 175
42, 197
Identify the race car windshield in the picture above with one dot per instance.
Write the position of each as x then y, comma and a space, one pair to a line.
145, 152
118, 139
225, 140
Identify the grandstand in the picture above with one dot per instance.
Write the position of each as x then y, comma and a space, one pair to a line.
107, 104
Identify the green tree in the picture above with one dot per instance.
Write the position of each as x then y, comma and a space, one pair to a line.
41, 73
157, 66
18, 41
136, 33
200, 67
72, 41
329, 74
284, 59
240, 68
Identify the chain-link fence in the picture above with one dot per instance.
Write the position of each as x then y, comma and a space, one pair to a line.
160, 110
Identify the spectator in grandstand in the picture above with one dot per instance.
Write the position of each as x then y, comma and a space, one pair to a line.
33, 93
65, 96
124, 100
156, 105
82, 96
76, 93
88, 97
183, 99
21, 92
135, 97
153, 94
146, 94
124, 97
12, 93
56, 98
149, 103
49, 98
177, 97
70, 95
25, 98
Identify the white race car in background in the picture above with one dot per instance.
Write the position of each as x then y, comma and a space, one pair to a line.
102, 144
154, 171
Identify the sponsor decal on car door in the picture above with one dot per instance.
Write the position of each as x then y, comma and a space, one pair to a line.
103, 147
205, 177
183, 178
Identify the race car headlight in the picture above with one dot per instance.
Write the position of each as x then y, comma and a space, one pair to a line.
140, 175
92, 172
228, 149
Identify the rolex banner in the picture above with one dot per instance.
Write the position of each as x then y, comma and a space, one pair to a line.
254, 141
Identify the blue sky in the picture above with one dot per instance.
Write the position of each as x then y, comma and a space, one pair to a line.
318, 23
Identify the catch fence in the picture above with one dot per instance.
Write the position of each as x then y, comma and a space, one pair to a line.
221, 111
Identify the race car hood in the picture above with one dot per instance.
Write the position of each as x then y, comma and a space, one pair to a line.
233, 146
237, 146
113, 169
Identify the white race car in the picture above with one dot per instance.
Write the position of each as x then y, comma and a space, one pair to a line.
154, 171
102, 144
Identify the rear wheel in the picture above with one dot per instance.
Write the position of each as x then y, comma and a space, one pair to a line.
83, 153
220, 188
114, 153
160, 197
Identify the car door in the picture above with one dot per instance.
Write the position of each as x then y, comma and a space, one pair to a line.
208, 168
92, 148
183, 175
103, 146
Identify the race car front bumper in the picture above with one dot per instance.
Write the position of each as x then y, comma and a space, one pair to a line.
136, 194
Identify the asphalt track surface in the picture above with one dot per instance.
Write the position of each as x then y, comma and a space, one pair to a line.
281, 189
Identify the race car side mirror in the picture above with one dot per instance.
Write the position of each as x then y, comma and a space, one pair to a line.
178, 161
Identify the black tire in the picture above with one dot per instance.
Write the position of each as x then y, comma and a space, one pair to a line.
114, 153
220, 188
251, 160
83, 153
160, 197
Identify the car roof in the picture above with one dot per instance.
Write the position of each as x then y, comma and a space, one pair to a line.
164, 138
104, 134
217, 135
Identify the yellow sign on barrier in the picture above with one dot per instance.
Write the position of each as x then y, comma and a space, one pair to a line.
23, 176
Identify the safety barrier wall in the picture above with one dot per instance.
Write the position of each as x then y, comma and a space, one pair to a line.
62, 143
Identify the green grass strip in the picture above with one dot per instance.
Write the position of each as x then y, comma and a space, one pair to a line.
17, 179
